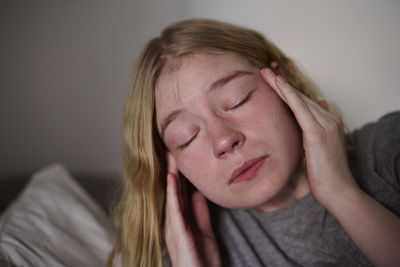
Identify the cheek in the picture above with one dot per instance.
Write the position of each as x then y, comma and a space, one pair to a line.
278, 127
195, 166
269, 114
290, 140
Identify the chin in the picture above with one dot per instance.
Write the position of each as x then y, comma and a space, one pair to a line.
234, 205
248, 201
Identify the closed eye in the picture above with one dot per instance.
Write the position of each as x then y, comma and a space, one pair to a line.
246, 99
183, 146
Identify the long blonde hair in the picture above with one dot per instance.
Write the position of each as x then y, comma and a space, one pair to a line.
138, 217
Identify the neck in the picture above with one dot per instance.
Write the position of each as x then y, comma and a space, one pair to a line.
296, 189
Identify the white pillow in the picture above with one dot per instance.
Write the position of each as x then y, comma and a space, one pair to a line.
54, 222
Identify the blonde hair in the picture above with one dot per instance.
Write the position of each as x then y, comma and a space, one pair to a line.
138, 217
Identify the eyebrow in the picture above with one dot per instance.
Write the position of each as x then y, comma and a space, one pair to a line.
215, 85
224, 80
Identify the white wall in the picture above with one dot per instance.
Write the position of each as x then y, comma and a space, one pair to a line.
65, 66
350, 48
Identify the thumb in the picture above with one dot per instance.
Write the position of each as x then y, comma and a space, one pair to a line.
202, 214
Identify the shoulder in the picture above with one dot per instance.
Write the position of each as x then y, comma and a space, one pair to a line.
380, 139
386, 147
375, 158
383, 131
388, 129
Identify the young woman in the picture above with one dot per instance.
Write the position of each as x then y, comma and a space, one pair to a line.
223, 108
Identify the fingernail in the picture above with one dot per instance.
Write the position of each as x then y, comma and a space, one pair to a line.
274, 65
280, 80
269, 72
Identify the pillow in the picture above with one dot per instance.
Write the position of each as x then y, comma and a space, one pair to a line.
54, 222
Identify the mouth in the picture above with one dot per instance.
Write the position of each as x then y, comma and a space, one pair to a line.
247, 170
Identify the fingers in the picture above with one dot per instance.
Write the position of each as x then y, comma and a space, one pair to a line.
177, 212
177, 234
175, 226
202, 214
185, 246
299, 107
173, 201
171, 164
323, 104
309, 114
178, 191
269, 77
180, 183
204, 231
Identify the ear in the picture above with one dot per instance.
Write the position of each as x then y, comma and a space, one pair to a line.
171, 163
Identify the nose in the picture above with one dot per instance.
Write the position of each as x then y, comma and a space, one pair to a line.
225, 139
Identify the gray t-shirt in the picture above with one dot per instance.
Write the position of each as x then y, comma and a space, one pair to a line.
305, 233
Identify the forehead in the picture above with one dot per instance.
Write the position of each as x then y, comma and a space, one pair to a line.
184, 81
202, 66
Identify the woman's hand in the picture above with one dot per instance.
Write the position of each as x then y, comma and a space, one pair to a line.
371, 226
187, 246
323, 142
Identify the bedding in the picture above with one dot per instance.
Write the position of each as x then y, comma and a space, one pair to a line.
54, 222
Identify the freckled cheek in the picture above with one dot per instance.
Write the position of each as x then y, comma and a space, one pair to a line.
273, 123
262, 113
196, 167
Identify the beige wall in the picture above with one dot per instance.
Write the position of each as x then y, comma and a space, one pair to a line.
65, 66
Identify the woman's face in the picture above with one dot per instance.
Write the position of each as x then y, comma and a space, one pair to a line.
226, 129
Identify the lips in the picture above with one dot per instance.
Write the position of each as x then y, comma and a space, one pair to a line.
247, 170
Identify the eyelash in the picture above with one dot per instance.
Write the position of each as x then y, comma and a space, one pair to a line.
183, 146
246, 99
